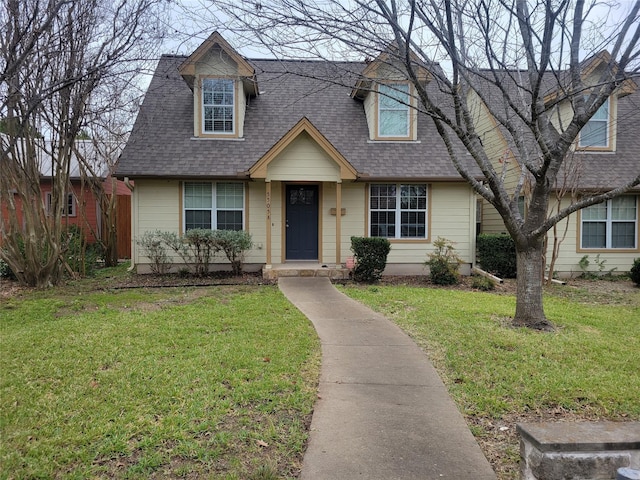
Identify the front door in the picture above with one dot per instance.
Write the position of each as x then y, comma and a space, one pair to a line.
302, 222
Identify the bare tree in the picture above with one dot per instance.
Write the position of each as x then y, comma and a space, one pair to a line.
511, 53
108, 126
567, 188
55, 56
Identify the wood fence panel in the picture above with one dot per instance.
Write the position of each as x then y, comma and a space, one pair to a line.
123, 219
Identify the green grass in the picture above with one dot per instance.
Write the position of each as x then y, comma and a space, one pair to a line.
216, 382
589, 366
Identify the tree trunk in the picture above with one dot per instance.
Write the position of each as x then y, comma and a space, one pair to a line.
529, 309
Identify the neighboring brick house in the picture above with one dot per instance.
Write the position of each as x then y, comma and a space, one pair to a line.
81, 207
284, 150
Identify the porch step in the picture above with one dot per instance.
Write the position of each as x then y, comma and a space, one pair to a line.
292, 270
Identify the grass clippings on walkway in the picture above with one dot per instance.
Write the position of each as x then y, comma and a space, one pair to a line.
213, 382
589, 369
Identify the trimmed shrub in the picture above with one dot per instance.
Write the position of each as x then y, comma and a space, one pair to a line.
152, 244
203, 245
634, 273
371, 257
197, 248
234, 244
483, 283
497, 255
444, 263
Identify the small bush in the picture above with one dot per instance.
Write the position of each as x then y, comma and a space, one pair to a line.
634, 273
483, 283
234, 244
81, 258
5, 271
197, 248
497, 255
444, 263
371, 257
152, 245
599, 263
203, 245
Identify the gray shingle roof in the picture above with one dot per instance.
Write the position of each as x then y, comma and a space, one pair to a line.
162, 143
597, 170
610, 169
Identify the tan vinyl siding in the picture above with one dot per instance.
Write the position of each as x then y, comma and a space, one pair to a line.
303, 159
218, 63
277, 222
255, 198
353, 195
500, 155
452, 211
567, 264
156, 207
370, 110
241, 108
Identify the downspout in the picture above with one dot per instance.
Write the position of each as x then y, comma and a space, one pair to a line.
128, 184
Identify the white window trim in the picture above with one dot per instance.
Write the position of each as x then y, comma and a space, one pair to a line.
398, 211
70, 200
607, 122
203, 105
400, 107
609, 229
213, 209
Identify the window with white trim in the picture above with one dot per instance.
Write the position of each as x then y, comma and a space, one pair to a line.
214, 205
69, 206
218, 109
393, 110
596, 132
611, 224
398, 210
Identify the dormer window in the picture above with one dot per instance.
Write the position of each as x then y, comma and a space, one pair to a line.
394, 116
218, 106
595, 134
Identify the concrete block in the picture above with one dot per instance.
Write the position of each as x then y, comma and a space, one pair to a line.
578, 451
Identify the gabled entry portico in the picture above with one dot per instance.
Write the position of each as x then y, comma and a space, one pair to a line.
302, 164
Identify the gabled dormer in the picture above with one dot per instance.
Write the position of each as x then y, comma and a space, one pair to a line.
600, 132
389, 97
221, 81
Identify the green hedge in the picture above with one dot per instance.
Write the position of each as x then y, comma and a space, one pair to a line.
371, 257
635, 272
497, 255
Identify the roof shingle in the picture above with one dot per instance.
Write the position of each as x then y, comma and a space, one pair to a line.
162, 143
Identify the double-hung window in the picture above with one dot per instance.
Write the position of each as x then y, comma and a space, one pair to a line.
398, 210
611, 224
68, 207
214, 205
596, 132
218, 109
393, 111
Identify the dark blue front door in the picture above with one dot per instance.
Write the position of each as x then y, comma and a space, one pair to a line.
302, 222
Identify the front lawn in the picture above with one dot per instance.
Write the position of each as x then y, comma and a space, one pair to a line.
213, 382
588, 369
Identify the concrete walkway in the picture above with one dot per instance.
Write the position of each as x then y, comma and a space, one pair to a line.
383, 412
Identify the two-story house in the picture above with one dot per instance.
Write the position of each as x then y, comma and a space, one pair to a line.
301, 154
286, 152
606, 155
